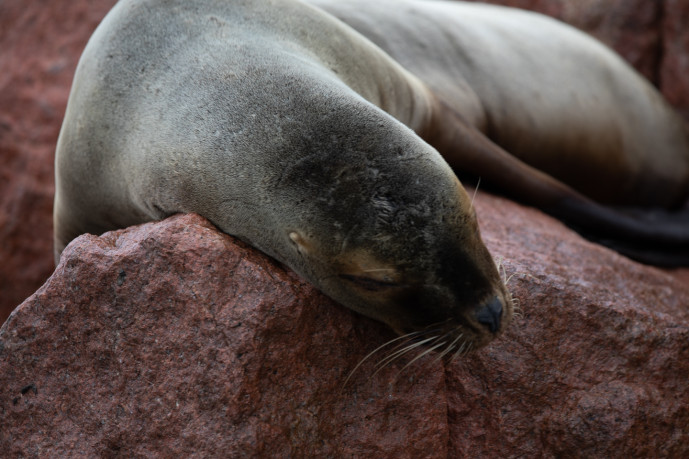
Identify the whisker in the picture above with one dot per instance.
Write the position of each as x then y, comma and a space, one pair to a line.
501, 268
403, 345
521, 273
478, 183
396, 355
423, 354
370, 354
448, 348
459, 351
442, 354
517, 310
400, 347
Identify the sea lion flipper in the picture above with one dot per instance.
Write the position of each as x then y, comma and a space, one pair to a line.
468, 150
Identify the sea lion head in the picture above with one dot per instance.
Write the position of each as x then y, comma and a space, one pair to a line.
357, 203
384, 227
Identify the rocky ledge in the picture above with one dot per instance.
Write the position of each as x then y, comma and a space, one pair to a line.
172, 338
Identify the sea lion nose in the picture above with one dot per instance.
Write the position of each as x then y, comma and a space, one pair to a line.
490, 315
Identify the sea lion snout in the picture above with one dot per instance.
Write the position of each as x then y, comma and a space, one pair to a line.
414, 307
490, 315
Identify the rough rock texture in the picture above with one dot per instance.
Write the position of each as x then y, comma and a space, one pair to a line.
40, 43
597, 367
675, 63
172, 338
42, 40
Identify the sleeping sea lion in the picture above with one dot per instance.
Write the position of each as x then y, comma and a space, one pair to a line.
289, 129
546, 114
257, 116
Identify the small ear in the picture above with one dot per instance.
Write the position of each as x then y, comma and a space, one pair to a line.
302, 246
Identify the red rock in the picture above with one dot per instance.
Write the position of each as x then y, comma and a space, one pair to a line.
41, 43
597, 367
171, 338
174, 339
675, 63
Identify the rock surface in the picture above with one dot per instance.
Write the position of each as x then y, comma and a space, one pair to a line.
597, 367
675, 62
172, 338
41, 42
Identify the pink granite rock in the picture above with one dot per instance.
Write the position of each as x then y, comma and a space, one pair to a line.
172, 338
597, 367
40, 43
675, 51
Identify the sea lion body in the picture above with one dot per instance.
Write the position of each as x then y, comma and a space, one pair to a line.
292, 131
273, 120
544, 91
546, 114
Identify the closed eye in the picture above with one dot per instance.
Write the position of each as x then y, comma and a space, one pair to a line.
369, 283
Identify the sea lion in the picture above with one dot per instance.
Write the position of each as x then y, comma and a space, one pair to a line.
523, 95
277, 122
289, 129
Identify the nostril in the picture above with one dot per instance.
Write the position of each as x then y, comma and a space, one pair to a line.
490, 315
